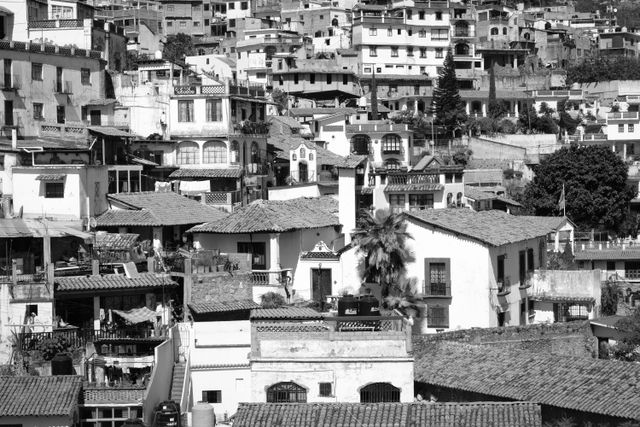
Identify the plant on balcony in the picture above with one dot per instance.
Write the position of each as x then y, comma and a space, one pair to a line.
254, 128
382, 240
49, 347
627, 348
609, 297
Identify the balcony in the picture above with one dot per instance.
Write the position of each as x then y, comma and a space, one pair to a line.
527, 282
78, 338
199, 90
376, 127
413, 178
463, 33
247, 127
12, 82
436, 290
60, 130
248, 89
629, 115
63, 87
270, 277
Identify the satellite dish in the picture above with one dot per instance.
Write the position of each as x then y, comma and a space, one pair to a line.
158, 54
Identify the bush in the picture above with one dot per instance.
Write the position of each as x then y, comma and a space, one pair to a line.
272, 300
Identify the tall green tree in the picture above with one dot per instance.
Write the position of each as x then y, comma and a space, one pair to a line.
447, 106
382, 239
177, 46
496, 108
629, 347
281, 99
596, 190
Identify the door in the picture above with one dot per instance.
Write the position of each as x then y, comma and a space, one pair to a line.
96, 118
258, 251
303, 172
60, 113
7, 72
320, 284
522, 267
8, 113
59, 79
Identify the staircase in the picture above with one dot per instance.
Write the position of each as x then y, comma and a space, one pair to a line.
179, 370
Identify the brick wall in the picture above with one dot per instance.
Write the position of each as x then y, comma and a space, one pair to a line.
567, 339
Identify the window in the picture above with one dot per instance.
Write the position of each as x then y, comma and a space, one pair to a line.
421, 15
231, 6
391, 144
416, 90
409, 50
206, 6
188, 153
504, 31
325, 389
620, 128
60, 114
312, 78
437, 275
244, 5
196, 23
373, 51
360, 144
185, 110
373, 31
396, 202
36, 71
32, 309
438, 16
392, 164
286, 392
170, 8
38, 111
631, 128
214, 110
494, 31
394, 52
437, 316
296, 78
399, 31
530, 260
409, 32
420, 201
85, 76
169, 24
212, 396
206, 22
390, 32
379, 392
183, 24
345, 79
215, 152
423, 52
439, 52
422, 33
409, 14
439, 34
500, 272
329, 79
54, 190
232, 23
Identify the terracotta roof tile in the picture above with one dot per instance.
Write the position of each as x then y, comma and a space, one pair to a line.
289, 313
115, 241
493, 227
395, 188
39, 396
598, 386
157, 209
111, 281
96, 395
632, 253
476, 414
221, 307
283, 144
276, 216
206, 173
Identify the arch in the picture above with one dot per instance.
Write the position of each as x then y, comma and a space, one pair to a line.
391, 144
392, 164
188, 153
286, 392
379, 392
360, 144
235, 152
215, 152
462, 49
494, 31
459, 199
504, 31
449, 199
255, 152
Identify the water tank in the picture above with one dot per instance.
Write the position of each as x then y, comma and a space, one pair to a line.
202, 415
369, 306
348, 306
62, 364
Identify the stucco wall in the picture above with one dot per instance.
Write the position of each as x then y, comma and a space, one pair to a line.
294, 191
161, 376
49, 421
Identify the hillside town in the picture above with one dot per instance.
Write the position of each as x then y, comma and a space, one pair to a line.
317, 213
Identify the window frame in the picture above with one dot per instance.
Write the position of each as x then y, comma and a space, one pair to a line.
54, 190
437, 289
186, 116
439, 321
295, 393
37, 69
40, 106
215, 394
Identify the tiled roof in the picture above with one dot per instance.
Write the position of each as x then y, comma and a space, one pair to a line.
110, 131
289, 313
400, 188
352, 161
115, 241
476, 414
318, 111
476, 194
493, 227
111, 281
276, 216
608, 254
205, 307
286, 120
39, 396
598, 386
55, 143
607, 321
111, 395
561, 298
51, 177
206, 173
283, 144
157, 209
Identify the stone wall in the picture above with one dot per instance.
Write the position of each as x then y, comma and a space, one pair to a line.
566, 339
221, 287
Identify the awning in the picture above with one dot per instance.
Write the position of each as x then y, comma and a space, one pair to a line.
51, 177
137, 315
14, 227
5, 11
143, 162
109, 131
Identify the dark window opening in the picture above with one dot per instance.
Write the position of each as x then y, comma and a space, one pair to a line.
379, 392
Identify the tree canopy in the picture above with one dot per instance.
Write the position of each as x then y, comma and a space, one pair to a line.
177, 47
596, 190
602, 69
447, 105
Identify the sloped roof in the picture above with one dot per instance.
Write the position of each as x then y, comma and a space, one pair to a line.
205, 307
264, 216
111, 395
286, 313
492, 227
476, 194
206, 173
283, 144
598, 386
157, 209
476, 414
286, 120
115, 241
630, 253
39, 396
318, 111
111, 281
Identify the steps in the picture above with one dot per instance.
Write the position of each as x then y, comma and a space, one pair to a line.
177, 382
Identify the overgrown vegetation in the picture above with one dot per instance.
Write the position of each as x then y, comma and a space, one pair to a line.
602, 69
177, 47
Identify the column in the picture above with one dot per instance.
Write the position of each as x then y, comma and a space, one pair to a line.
484, 109
467, 107
157, 238
515, 62
96, 313
46, 255
624, 151
274, 251
516, 108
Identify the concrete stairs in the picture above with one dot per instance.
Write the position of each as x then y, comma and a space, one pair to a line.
179, 371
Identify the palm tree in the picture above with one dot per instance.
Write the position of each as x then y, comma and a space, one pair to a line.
382, 239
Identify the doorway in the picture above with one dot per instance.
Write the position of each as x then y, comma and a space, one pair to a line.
320, 284
96, 117
258, 251
303, 172
8, 113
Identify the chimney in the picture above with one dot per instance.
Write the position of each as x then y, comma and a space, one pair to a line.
347, 201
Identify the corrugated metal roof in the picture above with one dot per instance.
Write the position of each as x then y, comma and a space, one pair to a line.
205, 307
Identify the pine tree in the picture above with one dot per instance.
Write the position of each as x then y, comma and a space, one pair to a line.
447, 105
496, 109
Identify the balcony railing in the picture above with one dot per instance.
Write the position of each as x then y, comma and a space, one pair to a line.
80, 337
271, 277
377, 127
442, 290
222, 197
63, 130
251, 90
624, 115
199, 90
504, 286
417, 178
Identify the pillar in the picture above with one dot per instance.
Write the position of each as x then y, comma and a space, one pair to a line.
347, 202
624, 151
274, 251
515, 62
96, 313
157, 238
484, 109
46, 255
467, 107
516, 108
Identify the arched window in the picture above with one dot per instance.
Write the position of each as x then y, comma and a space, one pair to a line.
392, 164
286, 392
494, 31
379, 392
462, 49
303, 153
449, 199
235, 152
459, 199
188, 153
391, 144
504, 31
360, 144
215, 152
255, 153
